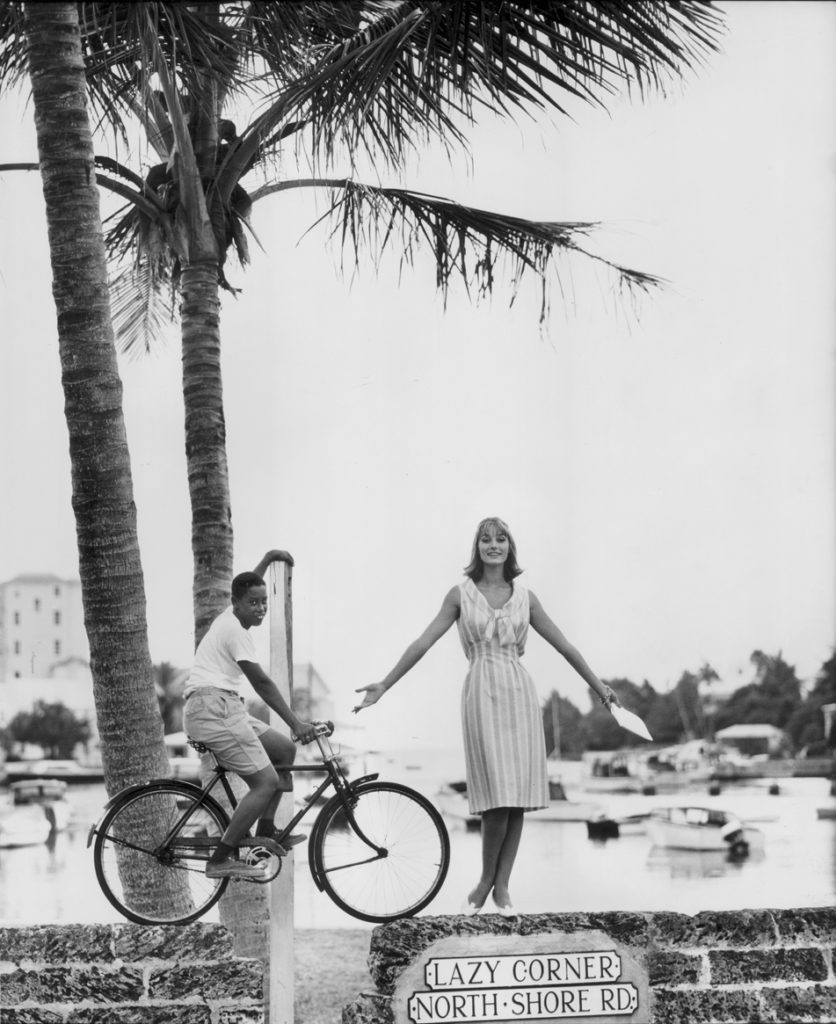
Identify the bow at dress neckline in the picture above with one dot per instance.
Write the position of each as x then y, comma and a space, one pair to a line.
499, 622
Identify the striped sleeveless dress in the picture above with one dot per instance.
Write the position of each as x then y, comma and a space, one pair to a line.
504, 745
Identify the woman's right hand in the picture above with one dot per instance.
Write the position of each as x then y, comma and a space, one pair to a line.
373, 693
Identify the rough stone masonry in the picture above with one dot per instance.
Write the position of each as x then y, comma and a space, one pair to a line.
725, 967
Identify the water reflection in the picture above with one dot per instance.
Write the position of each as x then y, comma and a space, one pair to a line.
699, 863
559, 868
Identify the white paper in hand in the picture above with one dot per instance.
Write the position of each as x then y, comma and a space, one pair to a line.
627, 720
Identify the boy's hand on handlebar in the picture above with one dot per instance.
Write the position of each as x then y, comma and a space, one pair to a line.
372, 695
305, 732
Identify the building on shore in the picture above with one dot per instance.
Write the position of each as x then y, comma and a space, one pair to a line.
753, 740
44, 654
311, 701
311, 697
42, 628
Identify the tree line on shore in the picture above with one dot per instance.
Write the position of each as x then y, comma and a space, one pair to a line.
693, 709
689, 710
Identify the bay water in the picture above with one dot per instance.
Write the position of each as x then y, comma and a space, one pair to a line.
559, 869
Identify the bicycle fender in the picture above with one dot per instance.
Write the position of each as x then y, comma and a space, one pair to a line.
363, 779
187, 787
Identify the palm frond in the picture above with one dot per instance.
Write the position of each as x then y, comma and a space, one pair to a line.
143, 305
467, 243
145, 246
13, 48
412, 70
119, 61
285, 37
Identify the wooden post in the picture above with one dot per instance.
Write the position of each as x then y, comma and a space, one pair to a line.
280, 987
555, 709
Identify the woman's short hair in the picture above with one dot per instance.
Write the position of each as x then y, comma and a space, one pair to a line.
243, 581
476, 569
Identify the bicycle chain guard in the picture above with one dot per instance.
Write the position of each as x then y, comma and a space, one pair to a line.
257, 850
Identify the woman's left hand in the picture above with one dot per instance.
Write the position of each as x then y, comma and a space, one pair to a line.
371, 695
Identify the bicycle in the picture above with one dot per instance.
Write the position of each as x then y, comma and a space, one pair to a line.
379, 850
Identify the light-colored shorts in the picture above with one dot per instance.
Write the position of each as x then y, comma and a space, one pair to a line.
219, 719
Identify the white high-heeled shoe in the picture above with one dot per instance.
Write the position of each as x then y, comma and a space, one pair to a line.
506, 911
469, 909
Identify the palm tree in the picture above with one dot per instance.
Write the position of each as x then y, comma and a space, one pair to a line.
129, 723
328, 81
111, 573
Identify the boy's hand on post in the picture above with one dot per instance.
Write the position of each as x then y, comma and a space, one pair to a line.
276, 555
372, 695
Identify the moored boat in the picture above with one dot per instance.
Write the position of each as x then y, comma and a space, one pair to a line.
452, 802
605, 826
702, 828
68, 771
25, 825
48, 794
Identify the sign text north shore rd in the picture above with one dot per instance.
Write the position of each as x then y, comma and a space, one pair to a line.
548, 976
523, 1003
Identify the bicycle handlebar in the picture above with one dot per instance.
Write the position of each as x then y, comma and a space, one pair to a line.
320, 729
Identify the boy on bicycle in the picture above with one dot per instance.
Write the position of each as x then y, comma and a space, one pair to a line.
214, 714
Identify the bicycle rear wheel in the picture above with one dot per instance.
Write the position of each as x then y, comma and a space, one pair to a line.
153, 883
397, 880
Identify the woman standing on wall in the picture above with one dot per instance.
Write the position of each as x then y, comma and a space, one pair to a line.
504, 746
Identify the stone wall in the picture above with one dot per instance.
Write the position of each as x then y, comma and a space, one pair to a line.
729, 967
126, 974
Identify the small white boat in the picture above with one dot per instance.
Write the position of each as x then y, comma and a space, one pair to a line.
702, 828
185, 768
68, 771
184, 760
25, 825
452, 802
565, 810
606, 826
50, 795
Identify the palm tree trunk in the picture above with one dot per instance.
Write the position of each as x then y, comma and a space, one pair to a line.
206, 460
112, 587
243, 909
111, 574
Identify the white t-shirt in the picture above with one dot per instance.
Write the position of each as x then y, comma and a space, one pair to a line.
224, 644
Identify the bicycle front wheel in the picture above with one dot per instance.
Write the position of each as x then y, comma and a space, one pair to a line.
384, 859
150, 880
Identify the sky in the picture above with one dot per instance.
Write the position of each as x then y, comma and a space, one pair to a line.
667, 469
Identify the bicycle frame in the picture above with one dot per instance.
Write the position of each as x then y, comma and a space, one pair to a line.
329, 765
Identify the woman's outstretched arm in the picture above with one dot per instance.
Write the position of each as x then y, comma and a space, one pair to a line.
445, 618
543, 625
